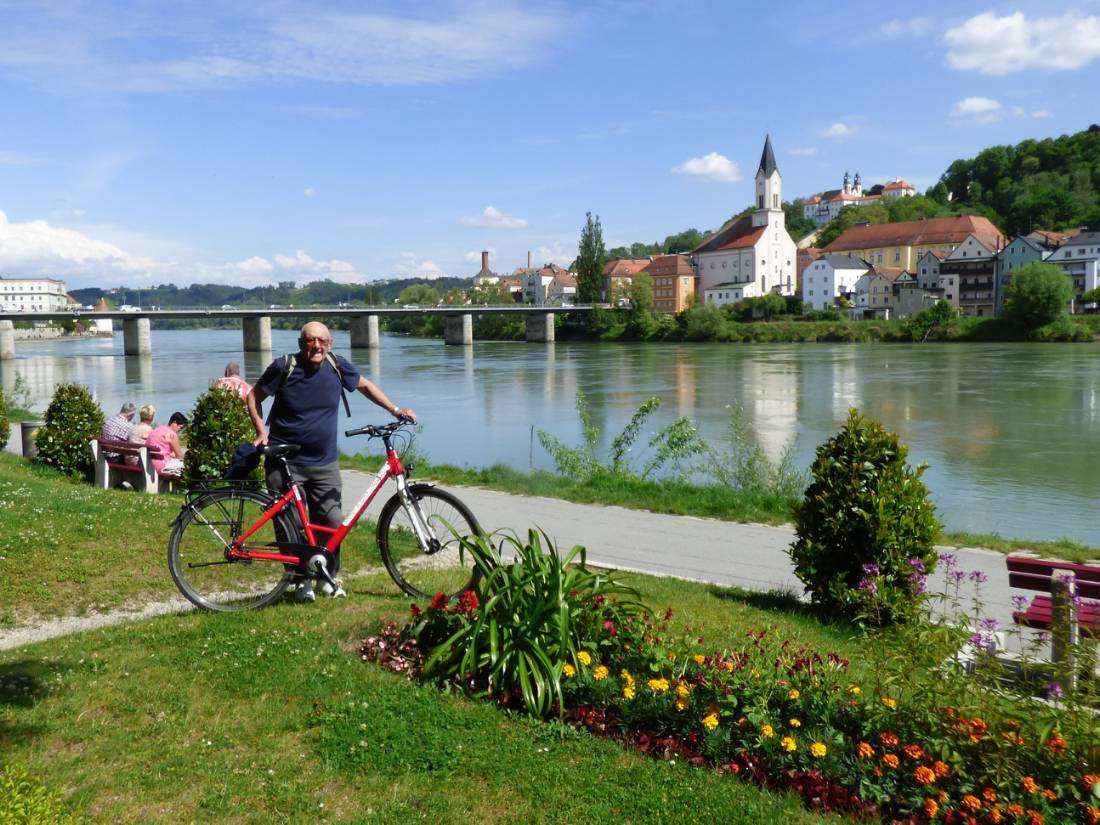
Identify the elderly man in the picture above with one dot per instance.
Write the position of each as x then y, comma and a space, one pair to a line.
307, 387
232, 379
117, 428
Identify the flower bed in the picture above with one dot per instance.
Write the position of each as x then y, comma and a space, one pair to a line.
929, 748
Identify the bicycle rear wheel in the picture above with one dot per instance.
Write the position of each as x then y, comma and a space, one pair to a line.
441, 566
206, 529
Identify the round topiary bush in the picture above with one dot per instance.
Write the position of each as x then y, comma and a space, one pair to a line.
865, 528
72, 420
218, 424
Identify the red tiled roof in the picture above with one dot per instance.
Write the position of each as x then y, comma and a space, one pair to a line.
897, 184
890, 273
664, 265
739, 234
927, 232
813, 199
624, 267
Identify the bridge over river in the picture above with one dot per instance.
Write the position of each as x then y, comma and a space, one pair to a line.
256, 323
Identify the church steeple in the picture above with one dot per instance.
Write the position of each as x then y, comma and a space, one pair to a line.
768, 195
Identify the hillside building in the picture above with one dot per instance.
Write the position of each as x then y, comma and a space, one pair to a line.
902, 244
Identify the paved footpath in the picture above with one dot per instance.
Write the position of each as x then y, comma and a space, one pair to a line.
753, 556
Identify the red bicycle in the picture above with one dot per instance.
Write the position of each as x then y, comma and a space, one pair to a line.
236, 546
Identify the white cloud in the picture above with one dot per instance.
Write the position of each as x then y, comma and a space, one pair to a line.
804, 151
977, 109
713, 166
838, 131
40, 249
1038, 114
410, 265
310, 191
493, 218
913, 27
102, 45
996, 45
553, 254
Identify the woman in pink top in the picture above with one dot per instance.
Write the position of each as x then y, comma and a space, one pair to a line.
166, 438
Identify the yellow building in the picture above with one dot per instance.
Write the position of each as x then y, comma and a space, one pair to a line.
902, 244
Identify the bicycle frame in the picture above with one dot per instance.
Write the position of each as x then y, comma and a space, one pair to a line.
392, 468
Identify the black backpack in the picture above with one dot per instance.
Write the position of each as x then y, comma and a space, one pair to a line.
290, 361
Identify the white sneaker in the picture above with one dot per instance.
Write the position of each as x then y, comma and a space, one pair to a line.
335, 592
304, 593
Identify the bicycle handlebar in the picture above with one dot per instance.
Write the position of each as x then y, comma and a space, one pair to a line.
378, 430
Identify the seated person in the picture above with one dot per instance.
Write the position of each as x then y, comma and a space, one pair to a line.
117, 428
140, 431
166, 438
233, 380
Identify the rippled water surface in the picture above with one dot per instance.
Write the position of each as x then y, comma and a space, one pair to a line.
1008, 430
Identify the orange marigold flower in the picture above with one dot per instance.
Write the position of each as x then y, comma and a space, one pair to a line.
931, 808
788, 744
876, 771
989, 795
1056, 743
1047, 793
1092, 815
995, 816
888, 740
1088, 780
818, 750
941, 768
943, 796
865, 750
914, 751
1029, 784
890, 760
1034, 818
971, 803
924, 775
793, 694
978, 725
1015, 809
890, 702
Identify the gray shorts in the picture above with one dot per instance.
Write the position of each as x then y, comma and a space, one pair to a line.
323, 488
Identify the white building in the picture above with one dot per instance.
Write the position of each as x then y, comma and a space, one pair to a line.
1079, 258
830, 277
549, 286
754, 255
825, 206
33, 295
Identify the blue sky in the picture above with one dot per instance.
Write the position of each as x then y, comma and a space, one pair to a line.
263, 141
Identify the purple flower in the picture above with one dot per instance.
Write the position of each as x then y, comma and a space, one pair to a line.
1054, 691
916, 564
976, 639
868, 585
1043, 636
871, 569
978, 576
919, 582
958, 575
949, 560
1020, 602
989, 623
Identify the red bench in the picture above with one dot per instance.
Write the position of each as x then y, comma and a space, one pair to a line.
1063, 611
111, 472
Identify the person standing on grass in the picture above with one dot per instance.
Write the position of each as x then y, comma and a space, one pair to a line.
308, 387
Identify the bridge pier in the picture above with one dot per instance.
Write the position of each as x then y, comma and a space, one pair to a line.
458, 329
257, 334
135, 337
7, 341
364, 332
540, 327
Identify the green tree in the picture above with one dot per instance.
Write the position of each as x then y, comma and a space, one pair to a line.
72, 420
640, 292
219, 423
1038, 294
419, 294
849, 217
591, 256
798, 225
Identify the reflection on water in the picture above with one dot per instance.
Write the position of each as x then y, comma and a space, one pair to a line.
1006, 430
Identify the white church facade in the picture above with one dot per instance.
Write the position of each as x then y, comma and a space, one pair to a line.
754, 255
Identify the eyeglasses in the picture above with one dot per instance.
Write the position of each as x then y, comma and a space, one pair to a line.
313, 339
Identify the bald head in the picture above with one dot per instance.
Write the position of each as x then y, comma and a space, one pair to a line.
314, 342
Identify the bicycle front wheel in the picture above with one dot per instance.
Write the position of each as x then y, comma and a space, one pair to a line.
206, 529
439, 565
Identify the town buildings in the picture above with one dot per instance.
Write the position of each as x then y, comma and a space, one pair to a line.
824, 207
33, 295
617, 276
1079, 258
673, 282
972, 263
753, 255
902, 244
831, 277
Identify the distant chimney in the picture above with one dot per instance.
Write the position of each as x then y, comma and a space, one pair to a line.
485, 260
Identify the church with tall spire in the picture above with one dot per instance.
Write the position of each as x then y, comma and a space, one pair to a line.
754, 255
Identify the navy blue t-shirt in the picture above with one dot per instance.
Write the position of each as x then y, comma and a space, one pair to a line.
307, 406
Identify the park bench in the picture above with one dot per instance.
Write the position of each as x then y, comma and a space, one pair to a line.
110, 473
1062, 608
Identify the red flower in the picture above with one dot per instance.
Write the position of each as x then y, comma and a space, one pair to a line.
439, 602
416, 611
467, 602
609, 626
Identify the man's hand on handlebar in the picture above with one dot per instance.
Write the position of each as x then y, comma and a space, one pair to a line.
404, 414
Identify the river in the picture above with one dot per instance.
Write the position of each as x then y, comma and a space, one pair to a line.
1006, 429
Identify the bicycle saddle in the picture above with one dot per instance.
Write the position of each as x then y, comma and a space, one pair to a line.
280, 450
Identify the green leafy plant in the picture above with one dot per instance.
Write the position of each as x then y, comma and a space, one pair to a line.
72, 420
5, 426
23, 801
532, 617
865, 527
744, 466
218, 424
